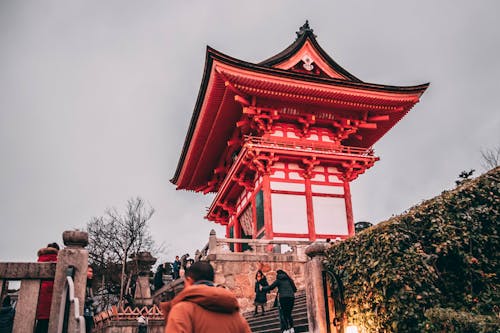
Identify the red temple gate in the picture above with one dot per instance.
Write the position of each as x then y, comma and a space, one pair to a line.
280, 141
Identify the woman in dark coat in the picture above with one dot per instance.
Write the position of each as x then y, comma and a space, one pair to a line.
158, 278
47, 254
260, 295
286, 296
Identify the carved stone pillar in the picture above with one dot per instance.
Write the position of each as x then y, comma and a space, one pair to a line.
212, 242
315, 296
73, 255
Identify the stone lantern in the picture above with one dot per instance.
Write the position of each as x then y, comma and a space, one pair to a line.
144, 261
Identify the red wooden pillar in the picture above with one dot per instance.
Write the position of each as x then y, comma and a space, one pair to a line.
348, 208
237, 234
268, 216
254, 217
310, 211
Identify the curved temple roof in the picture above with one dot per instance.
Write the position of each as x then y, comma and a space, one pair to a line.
306, 35
302, 73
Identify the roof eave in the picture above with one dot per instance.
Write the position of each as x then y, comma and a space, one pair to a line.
194, 118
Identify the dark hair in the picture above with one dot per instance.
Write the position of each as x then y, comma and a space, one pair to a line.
262, 274
283, 273
6, 301
200, 270
53, 245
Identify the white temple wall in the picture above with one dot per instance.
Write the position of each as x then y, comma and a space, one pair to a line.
289, 213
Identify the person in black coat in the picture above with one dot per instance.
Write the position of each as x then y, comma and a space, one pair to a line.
260, 295
286, 296
7, 313
88, 307
158, 277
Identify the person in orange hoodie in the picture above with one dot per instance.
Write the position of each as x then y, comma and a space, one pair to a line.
202, 307
47, 254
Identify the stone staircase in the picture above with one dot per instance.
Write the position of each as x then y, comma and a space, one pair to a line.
270, 323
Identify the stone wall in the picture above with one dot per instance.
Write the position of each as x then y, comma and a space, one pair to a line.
236, 271
127, 326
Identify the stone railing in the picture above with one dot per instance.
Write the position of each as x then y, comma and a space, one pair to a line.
72, 258
168, 291
217, 247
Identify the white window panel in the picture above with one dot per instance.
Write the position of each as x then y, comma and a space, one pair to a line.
289, 213
299, 187
327, 189
330, 216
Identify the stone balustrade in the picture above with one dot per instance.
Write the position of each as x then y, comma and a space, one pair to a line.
31, 274
258, 249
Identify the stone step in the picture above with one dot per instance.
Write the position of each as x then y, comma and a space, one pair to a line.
274, 313
269, 322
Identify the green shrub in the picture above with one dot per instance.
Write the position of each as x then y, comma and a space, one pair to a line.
441, 253
449, 320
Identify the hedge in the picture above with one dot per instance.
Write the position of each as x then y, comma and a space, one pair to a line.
449, 320
441, 254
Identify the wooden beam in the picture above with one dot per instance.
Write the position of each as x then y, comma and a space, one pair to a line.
200, 188
220, 169
268, 214
241, 100
27, 270
348, 208
249, 110
233, 142
311, 228
242, 123
379, 118
368, 125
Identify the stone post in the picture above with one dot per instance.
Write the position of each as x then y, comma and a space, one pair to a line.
142, 294
75, 255
212, 242
315, 296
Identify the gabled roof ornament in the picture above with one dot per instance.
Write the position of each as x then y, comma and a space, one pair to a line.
304, 29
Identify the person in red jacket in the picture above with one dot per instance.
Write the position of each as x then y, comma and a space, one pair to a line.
47, 254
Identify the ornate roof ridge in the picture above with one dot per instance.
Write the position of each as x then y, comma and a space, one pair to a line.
305, 29
306, 33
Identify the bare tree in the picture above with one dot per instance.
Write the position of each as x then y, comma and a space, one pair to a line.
114, 237
491, 158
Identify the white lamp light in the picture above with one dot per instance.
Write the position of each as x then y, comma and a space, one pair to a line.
351, 329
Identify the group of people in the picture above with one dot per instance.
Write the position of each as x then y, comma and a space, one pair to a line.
180, 265
205, 307
176, 269
285, 298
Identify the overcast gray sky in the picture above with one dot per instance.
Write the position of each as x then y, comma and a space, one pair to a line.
96, 97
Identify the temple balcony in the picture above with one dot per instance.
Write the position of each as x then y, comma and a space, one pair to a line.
306, 146
259, 156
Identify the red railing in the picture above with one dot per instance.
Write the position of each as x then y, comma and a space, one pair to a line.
307, 146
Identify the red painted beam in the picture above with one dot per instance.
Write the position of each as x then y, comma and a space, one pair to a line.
379, 118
